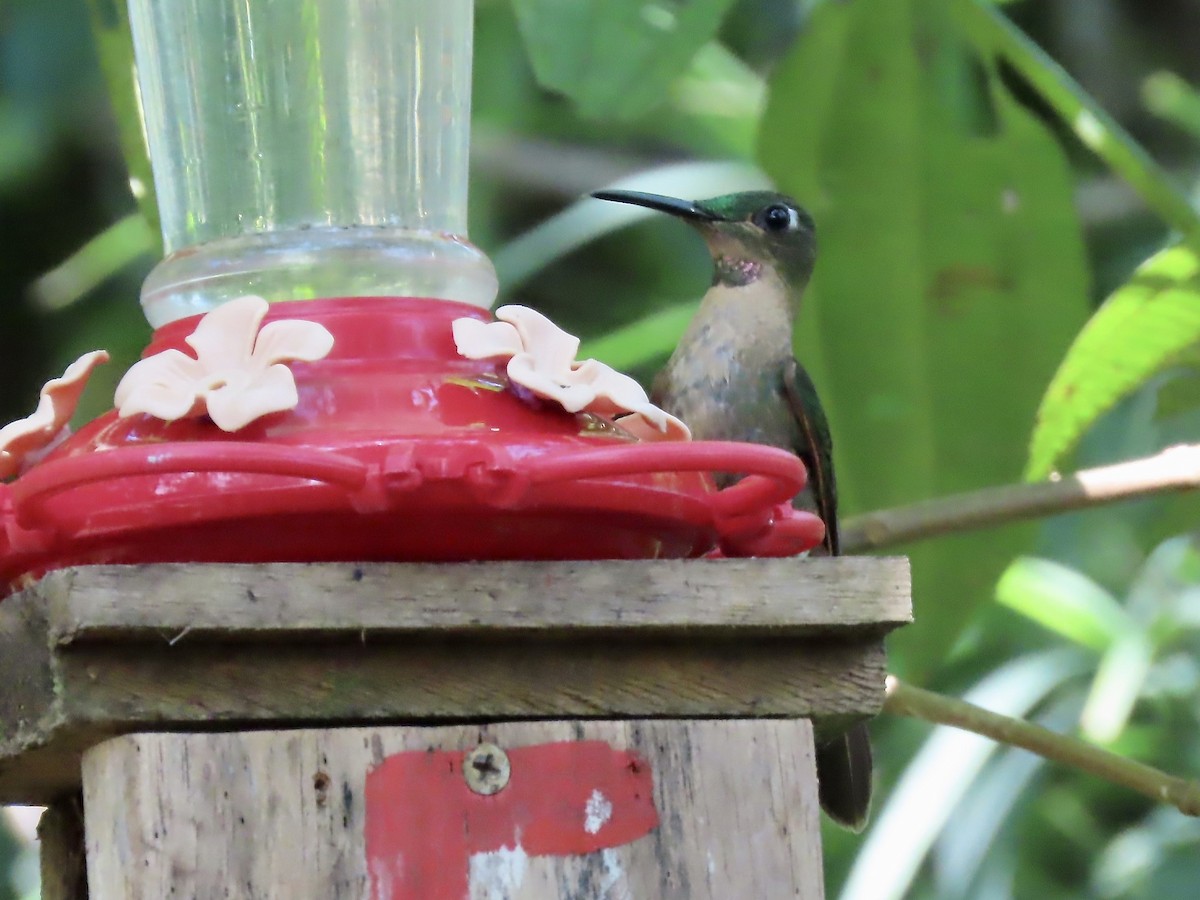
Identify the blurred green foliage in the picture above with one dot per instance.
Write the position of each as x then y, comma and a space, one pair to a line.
655, 42
948, 238
1149, 324
974, 204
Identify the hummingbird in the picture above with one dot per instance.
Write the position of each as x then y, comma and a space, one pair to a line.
734, 376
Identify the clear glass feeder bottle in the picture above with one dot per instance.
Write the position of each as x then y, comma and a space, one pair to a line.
308, 148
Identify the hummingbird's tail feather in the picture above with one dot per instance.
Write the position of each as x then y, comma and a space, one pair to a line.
844, 777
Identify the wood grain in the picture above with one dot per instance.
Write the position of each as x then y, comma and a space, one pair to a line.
61, 845
94, 652
281, 814
863, 596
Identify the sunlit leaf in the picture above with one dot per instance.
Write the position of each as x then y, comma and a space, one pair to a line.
114, 43
615, 58
1154, 858
1169, 96
1063, 600
951, 273
922, 801
107, 253
1115, 689
589, 219
993, 35
966, 850
1147, 325
1166, 592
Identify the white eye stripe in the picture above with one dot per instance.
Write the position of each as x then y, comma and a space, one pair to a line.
793, 220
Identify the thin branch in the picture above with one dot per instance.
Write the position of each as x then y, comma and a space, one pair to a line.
993, 32
1174, 469
905, 700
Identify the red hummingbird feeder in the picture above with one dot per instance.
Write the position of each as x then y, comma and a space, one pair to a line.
333, 185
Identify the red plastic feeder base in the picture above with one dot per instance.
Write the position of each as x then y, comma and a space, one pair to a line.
399, 449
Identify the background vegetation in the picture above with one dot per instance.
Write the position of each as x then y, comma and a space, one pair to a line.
975, 207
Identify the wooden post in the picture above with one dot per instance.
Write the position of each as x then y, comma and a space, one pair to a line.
60, 832
731, 805
683, 698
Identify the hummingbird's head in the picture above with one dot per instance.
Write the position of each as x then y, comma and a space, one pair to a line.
746, 232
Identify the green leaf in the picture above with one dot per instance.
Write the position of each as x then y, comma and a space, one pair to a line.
951, 276
615, 58
1170, 97
1064, 601
995, 36
116, 247
1149, 324
1115, 689
589, 219
913, 814
649, 338
22, 144
114, 44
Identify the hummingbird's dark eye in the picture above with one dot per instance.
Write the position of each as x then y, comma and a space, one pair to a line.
777, 218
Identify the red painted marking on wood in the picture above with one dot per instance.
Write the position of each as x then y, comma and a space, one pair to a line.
423, 823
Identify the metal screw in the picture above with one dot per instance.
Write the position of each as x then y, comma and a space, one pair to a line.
486, 769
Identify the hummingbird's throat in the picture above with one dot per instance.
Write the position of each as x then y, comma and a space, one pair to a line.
735, 272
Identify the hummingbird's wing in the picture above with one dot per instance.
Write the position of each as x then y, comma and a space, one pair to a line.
817, 451
844, 767
844, 763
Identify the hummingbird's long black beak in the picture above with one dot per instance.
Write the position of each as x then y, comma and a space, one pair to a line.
685, 209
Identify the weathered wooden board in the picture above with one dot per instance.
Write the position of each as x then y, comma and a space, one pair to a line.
286, 814
859, 596
93, 652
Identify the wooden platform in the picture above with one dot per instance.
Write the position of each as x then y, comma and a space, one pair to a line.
94, 652
666, 809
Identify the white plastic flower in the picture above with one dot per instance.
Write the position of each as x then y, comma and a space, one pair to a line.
541, 359
23, 441
238, 374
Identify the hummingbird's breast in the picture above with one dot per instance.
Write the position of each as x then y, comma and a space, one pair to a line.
726, 377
